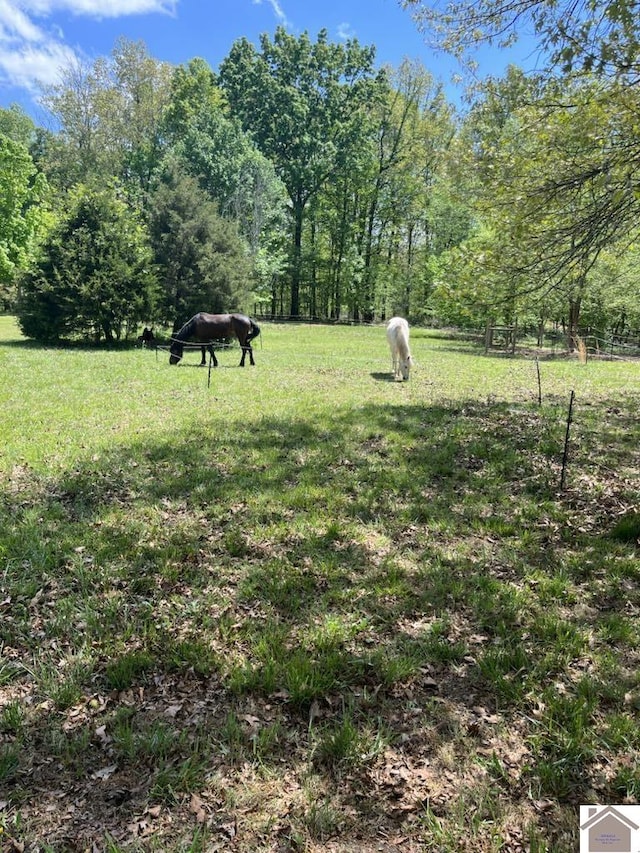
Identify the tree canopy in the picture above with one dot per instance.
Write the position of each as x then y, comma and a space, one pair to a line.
595, 37
557, 155
303, 103
23, 208
300, 179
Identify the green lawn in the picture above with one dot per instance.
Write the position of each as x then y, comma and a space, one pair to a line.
309, 608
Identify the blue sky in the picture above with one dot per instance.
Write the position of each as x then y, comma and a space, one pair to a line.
38, 37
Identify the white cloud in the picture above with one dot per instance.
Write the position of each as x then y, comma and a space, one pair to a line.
28, 65
28, 55
345, 31
32, 54
14, 23
278, 11
98, 8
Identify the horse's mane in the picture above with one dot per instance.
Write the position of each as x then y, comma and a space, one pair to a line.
184, 333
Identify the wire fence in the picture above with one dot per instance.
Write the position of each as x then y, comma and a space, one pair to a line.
509, 339
594, 342
217, 345
598, 343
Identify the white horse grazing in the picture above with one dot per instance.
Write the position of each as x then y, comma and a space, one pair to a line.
398, 337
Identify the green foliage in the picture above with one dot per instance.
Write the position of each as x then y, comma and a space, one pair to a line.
379, 221
550, 199
15, 124
215, 150
525, 208
602, 38
23, 212
94, 278
611, 302
551, 156
110, 114
293, 84
203, 263
322, 86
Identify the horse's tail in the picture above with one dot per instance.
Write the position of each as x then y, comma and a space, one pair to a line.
254, 330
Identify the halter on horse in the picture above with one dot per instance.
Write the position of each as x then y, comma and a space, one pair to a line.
205, 328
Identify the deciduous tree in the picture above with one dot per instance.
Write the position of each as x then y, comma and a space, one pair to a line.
574, 34
303, 103
551, 194
23, 213
215, 150
110, 114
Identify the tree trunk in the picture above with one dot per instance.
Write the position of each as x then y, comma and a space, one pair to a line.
313, 306
574, 319
296, 272
367, 277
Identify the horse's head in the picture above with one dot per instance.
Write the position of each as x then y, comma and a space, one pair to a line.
405, 367
175, 352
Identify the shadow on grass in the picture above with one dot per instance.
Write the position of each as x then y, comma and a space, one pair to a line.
383, 377
80, 346
281, 571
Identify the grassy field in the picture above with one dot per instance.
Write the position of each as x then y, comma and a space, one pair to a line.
308, 608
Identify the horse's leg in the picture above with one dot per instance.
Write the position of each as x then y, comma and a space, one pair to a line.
246, 348
203, 360
242, 340
212, 354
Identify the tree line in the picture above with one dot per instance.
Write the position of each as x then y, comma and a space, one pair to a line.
301, 180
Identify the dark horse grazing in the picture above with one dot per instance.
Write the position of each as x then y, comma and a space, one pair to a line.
204, 328
147, 338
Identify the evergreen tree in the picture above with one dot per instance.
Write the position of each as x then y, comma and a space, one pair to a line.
203, 264
94, 279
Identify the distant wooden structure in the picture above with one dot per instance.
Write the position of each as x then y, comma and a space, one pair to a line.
500, 337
